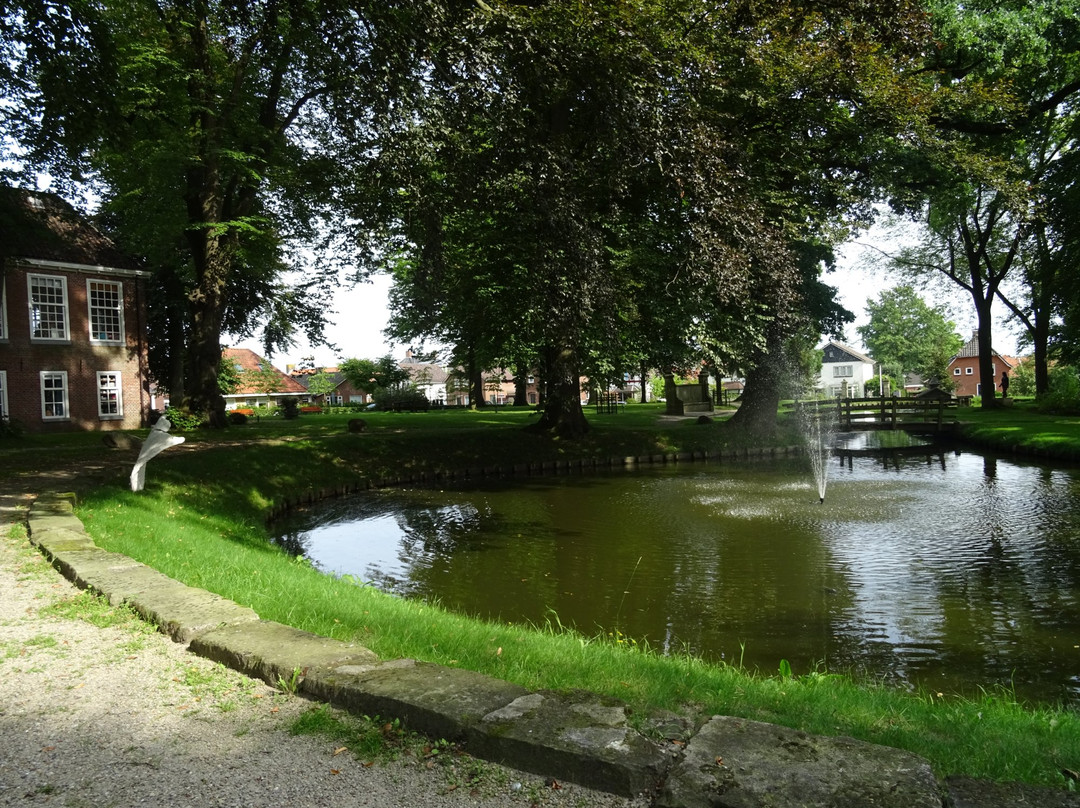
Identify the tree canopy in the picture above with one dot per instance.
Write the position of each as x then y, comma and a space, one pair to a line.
1007, 79
588, 186
213, 132
579, 187
906, 334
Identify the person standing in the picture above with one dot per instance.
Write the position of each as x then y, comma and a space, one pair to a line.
1004, 384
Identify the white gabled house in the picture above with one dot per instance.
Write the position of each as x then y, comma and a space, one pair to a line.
845, 371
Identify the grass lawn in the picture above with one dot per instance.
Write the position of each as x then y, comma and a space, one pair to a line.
202, 520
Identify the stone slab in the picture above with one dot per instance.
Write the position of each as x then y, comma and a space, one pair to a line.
57, 539
738, 763
439, 701
275, 652
180, 611
578, 736
81, 565
107, 574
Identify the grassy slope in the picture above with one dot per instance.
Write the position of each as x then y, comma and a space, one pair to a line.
201, 520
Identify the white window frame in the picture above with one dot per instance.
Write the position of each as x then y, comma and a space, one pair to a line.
31, 279
96, 335
5, 414
969, 371
956, 371
65, 404
116, 389
3, 311
843, 371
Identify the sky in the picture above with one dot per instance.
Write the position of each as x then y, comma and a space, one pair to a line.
360, 312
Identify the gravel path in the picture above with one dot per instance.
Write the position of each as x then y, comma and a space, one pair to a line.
99, 714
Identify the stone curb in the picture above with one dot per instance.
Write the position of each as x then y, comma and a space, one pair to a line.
577, 737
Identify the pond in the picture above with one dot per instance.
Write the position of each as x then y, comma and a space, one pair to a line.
949, 571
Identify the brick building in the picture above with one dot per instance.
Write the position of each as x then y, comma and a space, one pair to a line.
964, 369
73, 333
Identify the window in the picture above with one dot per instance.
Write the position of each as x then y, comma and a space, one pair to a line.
48, 307
106, 302
956, 371
110, 395
54, 395
969, 371
3, 396
842, 370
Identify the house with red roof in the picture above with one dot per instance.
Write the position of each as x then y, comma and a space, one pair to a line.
963, 369
261, 384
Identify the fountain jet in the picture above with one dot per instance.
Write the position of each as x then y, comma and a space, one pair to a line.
817, 427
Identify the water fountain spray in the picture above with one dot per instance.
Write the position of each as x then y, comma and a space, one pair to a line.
818, 426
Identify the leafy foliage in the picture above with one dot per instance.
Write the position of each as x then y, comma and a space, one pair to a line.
369, 375
586, 187
906, 334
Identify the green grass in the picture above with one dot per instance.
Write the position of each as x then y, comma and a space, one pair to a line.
202, 521
1023, 428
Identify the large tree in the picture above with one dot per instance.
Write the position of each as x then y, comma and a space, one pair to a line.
219, 125
607, 184
1006, 76
905, 333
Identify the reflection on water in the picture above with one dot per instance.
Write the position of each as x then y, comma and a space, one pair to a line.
953, 572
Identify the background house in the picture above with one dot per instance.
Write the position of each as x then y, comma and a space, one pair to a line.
343, 392
845, 371
261, 384
964, 368
73, 332
429, 378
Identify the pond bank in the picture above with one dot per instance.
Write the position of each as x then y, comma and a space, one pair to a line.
576, 737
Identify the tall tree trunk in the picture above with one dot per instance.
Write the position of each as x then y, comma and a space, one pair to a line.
760, 400
644, 374
475, 376
562, 414
521, 386
987, 377
212, 259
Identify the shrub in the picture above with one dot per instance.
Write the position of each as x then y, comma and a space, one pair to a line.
1064, 392
289, 408
404, 398
238, 417
182, 420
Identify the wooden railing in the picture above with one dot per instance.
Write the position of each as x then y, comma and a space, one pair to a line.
887, 413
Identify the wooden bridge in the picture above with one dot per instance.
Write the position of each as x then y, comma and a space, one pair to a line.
916, 415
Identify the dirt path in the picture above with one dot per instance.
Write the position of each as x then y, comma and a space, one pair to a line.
96, 709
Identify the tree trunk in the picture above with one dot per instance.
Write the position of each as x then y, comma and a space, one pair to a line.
562, 414
644, 383
760, 399
475, 380
212, 260
521, 386
987, 377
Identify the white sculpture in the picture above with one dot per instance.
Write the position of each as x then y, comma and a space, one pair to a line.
156, 442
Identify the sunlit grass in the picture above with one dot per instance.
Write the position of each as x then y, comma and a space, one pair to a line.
202, 521
229, 553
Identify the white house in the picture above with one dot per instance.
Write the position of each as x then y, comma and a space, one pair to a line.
430, 378
845, 371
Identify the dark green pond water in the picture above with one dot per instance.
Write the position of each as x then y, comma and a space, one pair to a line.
952, 572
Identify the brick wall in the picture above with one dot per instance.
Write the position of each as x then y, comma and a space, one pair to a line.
23, 359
